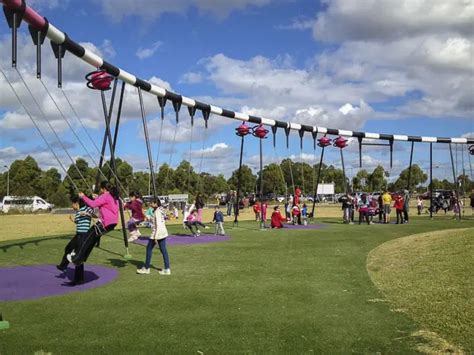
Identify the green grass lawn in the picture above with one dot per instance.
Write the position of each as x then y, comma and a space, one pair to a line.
261, 292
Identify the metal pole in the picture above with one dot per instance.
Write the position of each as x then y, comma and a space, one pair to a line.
14, 39
147, 140
455, 181
409, 168
262, 222
112, 156
117, 125
239, 177
8, 180
343, 172
317, 182
431, 180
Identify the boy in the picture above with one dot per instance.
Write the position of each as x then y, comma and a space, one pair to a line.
82, 218
219, 220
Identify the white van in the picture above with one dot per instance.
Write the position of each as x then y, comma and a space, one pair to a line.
27, 203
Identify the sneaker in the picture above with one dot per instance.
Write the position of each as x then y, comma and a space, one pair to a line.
198, 233
165, 272
61, 268
143, 271
194, 235
206, 227
70, 256
132, 239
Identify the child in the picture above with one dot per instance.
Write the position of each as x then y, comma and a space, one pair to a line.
363, 205
264, 207
295, 211
135, 205
192, 221
398, 205
304, 214
107, 202
219, 220
419, 204
159, 235
149, 213
256, 210
175, 212
277, 218
82, 219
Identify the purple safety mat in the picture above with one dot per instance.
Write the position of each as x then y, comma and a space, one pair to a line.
180, 239
36, 281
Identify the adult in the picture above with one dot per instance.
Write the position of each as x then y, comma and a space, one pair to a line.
135, 205
199, 204
107, 203
230, 202
363, 205
277, 219
472, 201
387, 200
406, 205
398, 205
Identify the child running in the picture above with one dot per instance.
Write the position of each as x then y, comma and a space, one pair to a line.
82, 218
158, 236
219, 221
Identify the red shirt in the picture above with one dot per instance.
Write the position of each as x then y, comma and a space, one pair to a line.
277, 218
398, 203
256, 207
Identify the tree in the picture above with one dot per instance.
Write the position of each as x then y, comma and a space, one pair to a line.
164, 179
25, 177
248, 180
272, 180
360, 180
417, 177
49, 183
376, 180
60, 197
83, 183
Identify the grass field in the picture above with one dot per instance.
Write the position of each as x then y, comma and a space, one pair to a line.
261, 292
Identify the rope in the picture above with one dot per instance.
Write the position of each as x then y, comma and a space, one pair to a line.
171, 157
281, 173
159, 147
52, 129
190, 157
122, 188
39, 131
291, 173
202, 150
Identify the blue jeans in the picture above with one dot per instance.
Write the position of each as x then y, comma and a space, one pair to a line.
164, 252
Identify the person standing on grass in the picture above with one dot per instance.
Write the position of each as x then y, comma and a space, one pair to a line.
472, 201
158, 236
82, 218
419, 204
264, 207
219, 221
107, 202
387, 200
136, 206
398, 205
380, 206
304, 214
406, 205
256, 210
363, 205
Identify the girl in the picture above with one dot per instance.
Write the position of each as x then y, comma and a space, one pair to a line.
256, 210
159, 235
136, 206
419, 204
107, 202
295, 211
192, 221
199, 206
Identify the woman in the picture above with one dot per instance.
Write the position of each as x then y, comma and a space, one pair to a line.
107, 202
158, 236
199, 206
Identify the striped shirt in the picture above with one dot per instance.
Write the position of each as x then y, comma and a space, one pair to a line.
82, 218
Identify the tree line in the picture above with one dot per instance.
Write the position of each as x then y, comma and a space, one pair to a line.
27, 179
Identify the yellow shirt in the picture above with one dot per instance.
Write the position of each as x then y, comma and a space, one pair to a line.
387, 199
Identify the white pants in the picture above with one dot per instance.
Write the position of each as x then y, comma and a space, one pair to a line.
220, 228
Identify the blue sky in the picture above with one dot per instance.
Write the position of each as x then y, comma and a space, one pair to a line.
395, 67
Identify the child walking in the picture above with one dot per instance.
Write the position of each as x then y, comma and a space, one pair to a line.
82, 218
136, 206
219, 221
158, 236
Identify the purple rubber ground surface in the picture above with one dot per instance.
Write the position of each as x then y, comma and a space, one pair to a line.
36, 281
301, 226
180, 239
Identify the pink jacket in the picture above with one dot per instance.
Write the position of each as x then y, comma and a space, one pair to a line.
108, 208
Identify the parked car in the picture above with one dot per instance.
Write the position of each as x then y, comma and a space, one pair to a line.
28, 203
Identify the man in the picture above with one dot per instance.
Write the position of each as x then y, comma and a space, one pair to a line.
406, 203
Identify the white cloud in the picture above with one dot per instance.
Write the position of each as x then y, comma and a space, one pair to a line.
144, 53
392, 19
118, 9
108, 49
217, 151
299, 23
191, 78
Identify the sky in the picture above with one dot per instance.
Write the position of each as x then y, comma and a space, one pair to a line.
383, 66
